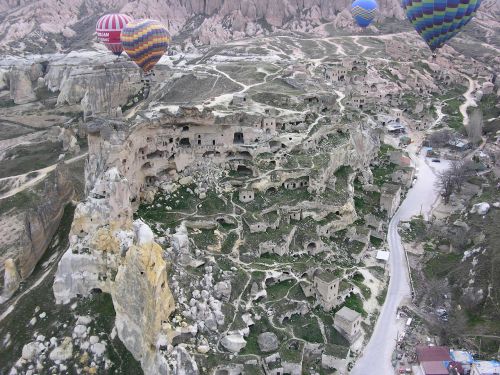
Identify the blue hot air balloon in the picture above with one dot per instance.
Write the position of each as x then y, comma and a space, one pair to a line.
437, 21
364, 11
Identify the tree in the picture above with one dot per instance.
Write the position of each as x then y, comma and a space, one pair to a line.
452, 179
440, 138
446, 184
461, 170
475, 127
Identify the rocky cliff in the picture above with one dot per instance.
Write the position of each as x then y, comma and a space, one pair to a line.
39, 226
53, 25
111, 253
91, 83
42, 221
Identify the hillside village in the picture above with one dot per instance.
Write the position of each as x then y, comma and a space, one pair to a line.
242, 205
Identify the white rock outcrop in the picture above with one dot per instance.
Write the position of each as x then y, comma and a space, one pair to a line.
12, 279
62, 352
234, 342
480, 208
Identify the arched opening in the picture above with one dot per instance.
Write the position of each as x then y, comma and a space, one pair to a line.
244, 170
184, 142
185, 128
271, 190
96, 291
238, 138
311, 246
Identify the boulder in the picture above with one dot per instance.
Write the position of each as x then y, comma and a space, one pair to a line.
223, 290
98, 349
186, 365
186, 180
268, 342
11, 278
480, 208
234, 343
63, 352
30, 351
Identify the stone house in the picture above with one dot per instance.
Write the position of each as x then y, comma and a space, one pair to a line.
326, 289
348, 323
374, 222
336, 73
294, 215
400, 158
403, 176
267, 125
296, 183
390, 198
246, 196
239, 98
360, 234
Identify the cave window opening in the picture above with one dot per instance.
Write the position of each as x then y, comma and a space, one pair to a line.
185, 142
238, 138
185, 128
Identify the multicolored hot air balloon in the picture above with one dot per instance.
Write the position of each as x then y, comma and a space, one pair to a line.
145, 41
364, 11
109, 28
437, 21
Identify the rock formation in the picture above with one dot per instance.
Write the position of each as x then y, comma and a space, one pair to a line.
12, 279
209, 21
111, 253
42, 221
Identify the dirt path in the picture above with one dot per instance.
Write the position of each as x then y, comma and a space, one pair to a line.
469, 100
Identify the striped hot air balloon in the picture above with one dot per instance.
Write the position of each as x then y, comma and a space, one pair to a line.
437, 21
364, 11
109, 28
145, 41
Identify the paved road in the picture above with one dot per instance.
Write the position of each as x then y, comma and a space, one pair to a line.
376, 358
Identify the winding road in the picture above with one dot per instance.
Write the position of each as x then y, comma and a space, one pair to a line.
421, 198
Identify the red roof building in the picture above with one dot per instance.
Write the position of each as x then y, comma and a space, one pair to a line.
433, 353
434, 368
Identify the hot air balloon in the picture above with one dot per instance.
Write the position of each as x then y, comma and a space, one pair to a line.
364, 11
437, 21
108, 31
145, 41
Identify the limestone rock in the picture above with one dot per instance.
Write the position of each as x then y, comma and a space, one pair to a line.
142, 298
223, 290
268, 342
186, 365
12, 279
31, 350
186, 180
63, 352
98, 349
234, 343
42, 221
21, 87
480, 208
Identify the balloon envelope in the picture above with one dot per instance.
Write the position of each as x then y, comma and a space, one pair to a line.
109, 28
364, 11
437, 21
145, 41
